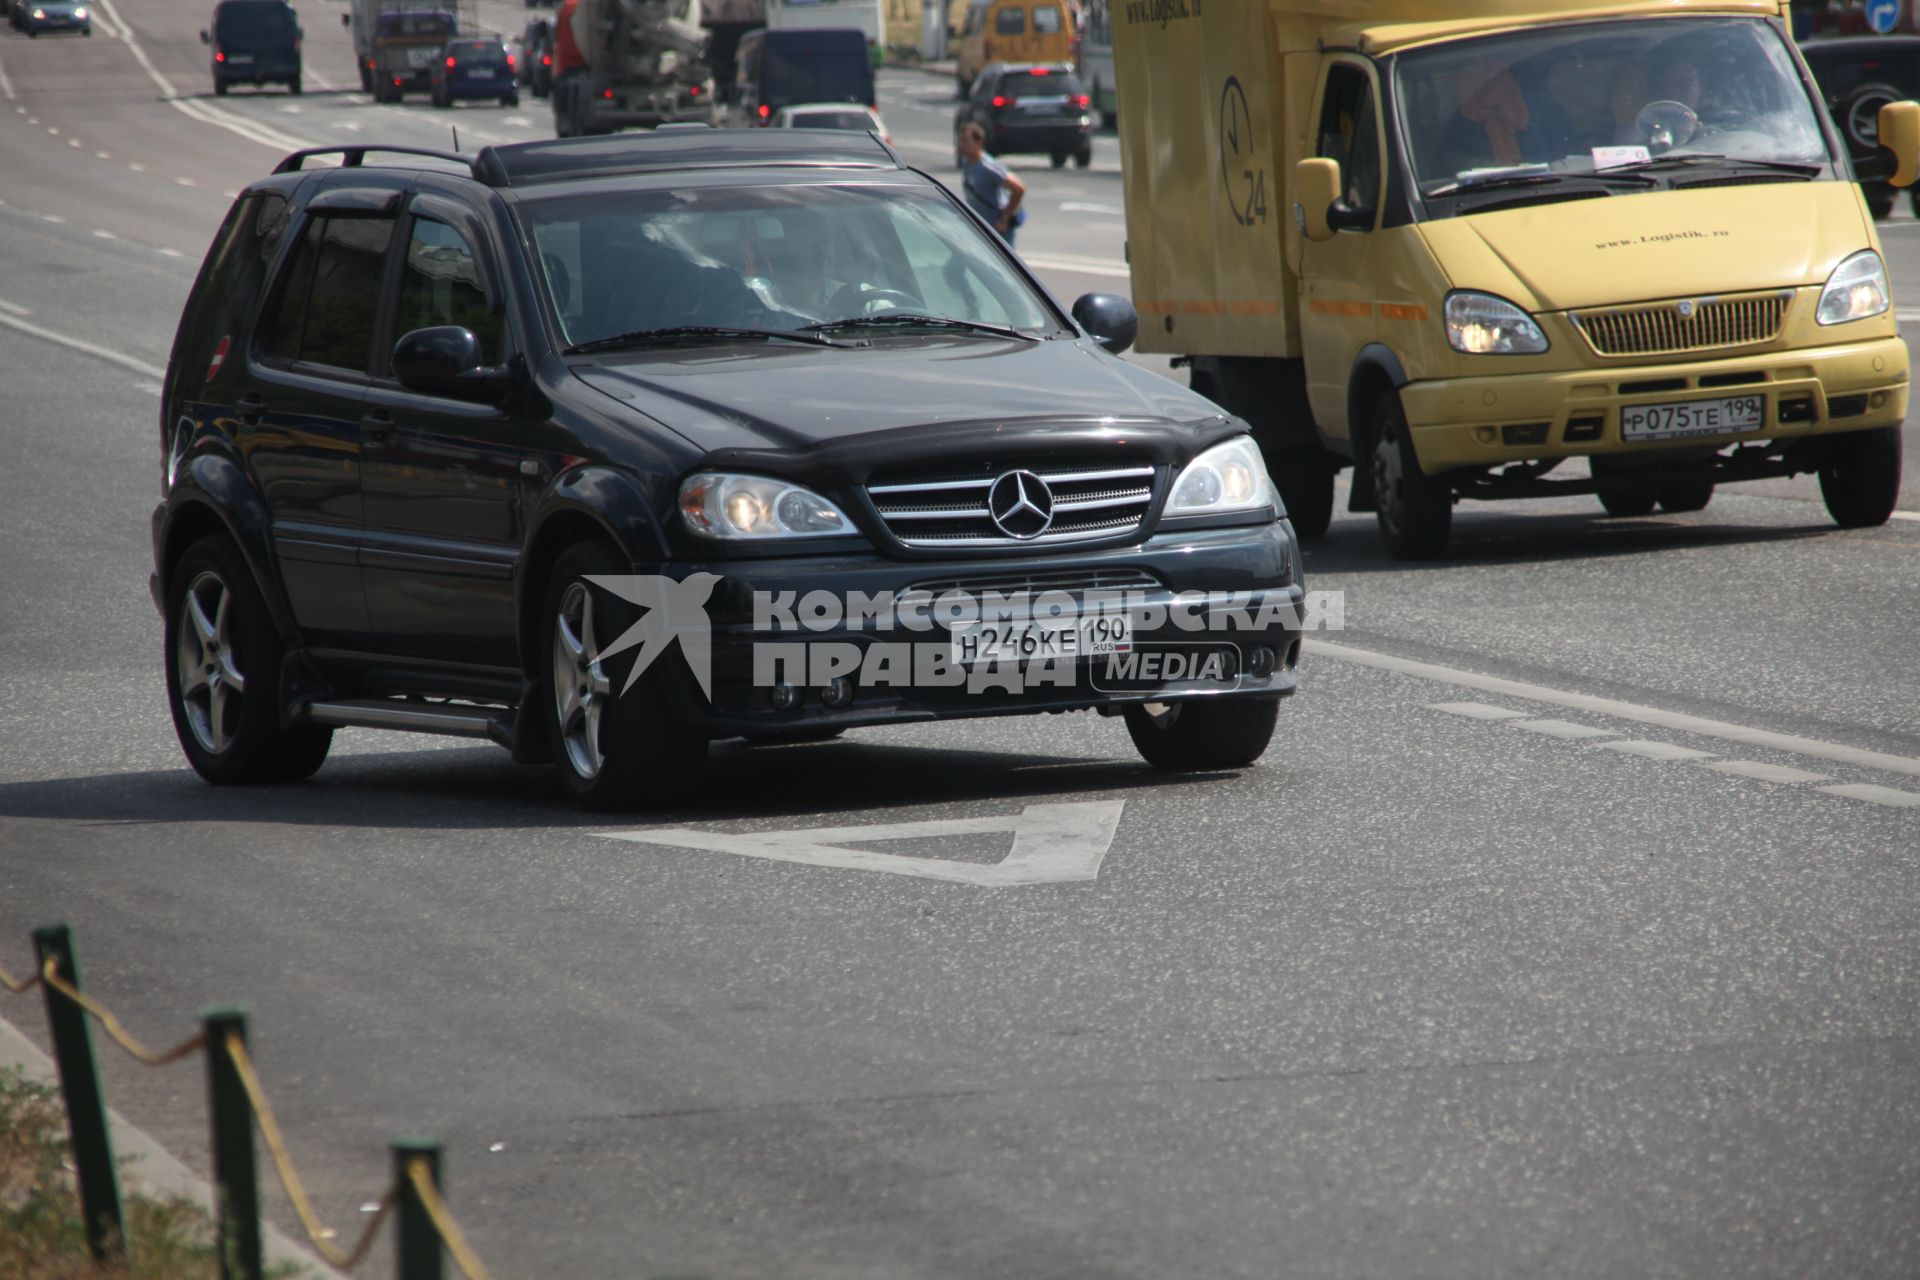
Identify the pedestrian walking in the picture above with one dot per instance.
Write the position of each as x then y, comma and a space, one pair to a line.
992, 192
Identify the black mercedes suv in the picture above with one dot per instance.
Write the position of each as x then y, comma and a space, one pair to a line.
603, 449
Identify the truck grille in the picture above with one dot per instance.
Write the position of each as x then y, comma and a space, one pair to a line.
1043, 505
1660, 329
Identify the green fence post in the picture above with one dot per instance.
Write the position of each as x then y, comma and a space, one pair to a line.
86, 1105
235, 1180
419, 1249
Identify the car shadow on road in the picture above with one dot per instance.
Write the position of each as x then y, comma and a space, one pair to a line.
478, 788
1354, 546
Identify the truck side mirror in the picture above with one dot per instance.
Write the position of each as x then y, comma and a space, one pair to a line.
1900, 134
1321, 212
1110, 318
445, 360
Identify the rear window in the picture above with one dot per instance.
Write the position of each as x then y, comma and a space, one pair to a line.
1010, 22
1040, 84
856, 120
1047, 20
415, 24
253, 20
478, 55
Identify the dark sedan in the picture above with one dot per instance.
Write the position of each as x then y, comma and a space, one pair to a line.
36, 16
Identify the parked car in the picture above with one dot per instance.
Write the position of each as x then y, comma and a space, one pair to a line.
475, 67
254, 42
536, 57
832, 115
1031, 107
1858, 75
775, 69
432, 438
36, 16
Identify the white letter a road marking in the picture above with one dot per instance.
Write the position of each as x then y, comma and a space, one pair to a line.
1051, 843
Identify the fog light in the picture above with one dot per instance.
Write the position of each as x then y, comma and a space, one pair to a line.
1261, 661
1877, 399
784, 697
1484, 435
838, 694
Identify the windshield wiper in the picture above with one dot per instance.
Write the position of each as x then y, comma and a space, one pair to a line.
690, 333
1536, 180
1703, 157
904, 320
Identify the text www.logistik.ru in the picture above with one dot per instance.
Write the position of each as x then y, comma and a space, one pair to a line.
1663, 238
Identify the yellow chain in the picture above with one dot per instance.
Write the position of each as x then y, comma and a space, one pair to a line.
290, 1177
19, 986
121, 1036
420, 1174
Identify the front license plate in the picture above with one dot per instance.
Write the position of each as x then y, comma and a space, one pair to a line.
1042, 640
1692, 418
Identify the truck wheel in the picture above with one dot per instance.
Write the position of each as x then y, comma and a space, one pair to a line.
1083, 158
1415, 510
366, 79
1692, 496
614, 750
1214, 733
1627, 502
223, 674
1304, 476
1860, 477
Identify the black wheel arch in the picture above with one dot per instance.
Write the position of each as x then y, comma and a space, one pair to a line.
1377, 371
212, 495
589, 503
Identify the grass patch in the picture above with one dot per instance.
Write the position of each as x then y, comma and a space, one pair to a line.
42, 1236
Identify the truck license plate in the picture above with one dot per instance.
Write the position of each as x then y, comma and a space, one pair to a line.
1042, 640
418, 58
1692, 418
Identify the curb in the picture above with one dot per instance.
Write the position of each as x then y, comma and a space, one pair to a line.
149, 1167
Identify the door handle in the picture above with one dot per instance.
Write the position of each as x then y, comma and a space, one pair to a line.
375, 427
251, 407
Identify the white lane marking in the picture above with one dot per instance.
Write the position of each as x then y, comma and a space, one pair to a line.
170, 253
351, 126
13, 308
101, 155
517, 122
1476, 711
73, 142
184, 182
1075, 206
6, 88
151, 388
290, 110
105, 235
1834, 751
52, 217
1906, 515
1654, 750
1907, 315
1052, 843
1560, 729
1077, 265
1764, 772
137, 168
140, 367
1874, 795
52, 132
33, 119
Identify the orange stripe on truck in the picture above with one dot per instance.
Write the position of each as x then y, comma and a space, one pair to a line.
1336, 307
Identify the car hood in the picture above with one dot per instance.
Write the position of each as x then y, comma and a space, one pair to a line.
797, 400
1659, 244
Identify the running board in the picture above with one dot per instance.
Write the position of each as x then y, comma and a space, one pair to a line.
492, 723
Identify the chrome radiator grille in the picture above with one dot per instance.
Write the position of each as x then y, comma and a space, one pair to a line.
1043, 505
1675, 328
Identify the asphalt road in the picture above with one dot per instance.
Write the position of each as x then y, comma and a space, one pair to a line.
1572, 926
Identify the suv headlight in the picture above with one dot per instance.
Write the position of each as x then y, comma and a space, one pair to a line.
1856, 290
1226, 478
719, 504
1479, 324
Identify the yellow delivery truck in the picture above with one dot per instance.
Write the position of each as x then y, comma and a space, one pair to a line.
1456, 244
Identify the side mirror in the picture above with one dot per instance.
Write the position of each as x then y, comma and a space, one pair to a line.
1110, 318
1321, 212
205, 38
1900, 134
446, 361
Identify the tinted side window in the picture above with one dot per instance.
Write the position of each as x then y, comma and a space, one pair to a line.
346, 293
230, 285
441, 285
287, 317
1010, 22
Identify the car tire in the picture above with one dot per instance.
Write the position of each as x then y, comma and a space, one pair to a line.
1304, 477
223, 660
440, 102
219, 88
1677, 499
613, 750
366, 79
1860, 477
511, 100
1415, 510
1059, 159
1880, 204
1627, 502
1213, 733
293, 86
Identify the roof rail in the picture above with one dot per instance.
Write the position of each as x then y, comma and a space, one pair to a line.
351, 157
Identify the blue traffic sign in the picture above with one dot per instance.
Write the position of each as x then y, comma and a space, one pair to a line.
1883, 15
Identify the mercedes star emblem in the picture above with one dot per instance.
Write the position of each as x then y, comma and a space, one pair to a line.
1021, 505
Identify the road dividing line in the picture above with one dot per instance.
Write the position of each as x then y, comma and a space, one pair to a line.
105, 235
13, 309
184, 182
1560, 729
1080, 266
84, 348
1764, 772
1681, 723
1654, 750
6, 88
51, 217
1907, 515
101, 155
1477, 711
1874, 795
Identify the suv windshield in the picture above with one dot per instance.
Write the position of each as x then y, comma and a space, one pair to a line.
778, 258
1551, 106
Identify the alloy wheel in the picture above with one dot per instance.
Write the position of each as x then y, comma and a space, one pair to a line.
211, 684
581, 689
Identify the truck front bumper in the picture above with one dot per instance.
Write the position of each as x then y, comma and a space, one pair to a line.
1482, 422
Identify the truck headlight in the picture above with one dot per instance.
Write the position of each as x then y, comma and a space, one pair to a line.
1480, 324
1856, 290
718, 504
1226, 478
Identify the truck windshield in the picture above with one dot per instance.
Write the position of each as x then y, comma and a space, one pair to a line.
1624, 102
774, 258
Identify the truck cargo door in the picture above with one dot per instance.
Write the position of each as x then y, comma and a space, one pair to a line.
1338, 291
